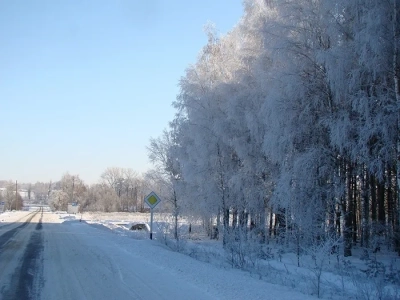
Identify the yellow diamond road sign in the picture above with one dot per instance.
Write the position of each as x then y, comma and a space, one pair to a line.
152, 200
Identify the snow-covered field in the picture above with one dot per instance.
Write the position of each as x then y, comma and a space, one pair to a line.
126, 264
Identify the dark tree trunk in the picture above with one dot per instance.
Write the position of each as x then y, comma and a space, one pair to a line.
262, 225
373, 200
347, 208
337, 221
234, 218
381, 207
331, 219
226, 225
271, 224
354, 209
281, 220
390, 202
347, 230
365, 212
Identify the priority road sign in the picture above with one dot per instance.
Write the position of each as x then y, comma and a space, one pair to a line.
152, 200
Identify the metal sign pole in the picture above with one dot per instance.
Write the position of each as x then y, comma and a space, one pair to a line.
151, 223
152, 200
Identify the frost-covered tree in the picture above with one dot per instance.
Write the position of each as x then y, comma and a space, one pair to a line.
295, 113
203, 104
168, 173
74, 188
58, 200
9, 195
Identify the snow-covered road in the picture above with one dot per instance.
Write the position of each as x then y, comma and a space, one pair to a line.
49, 258
20, 248
82, 262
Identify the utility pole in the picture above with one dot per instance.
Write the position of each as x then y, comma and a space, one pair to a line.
16, 194
48, 193
73, 186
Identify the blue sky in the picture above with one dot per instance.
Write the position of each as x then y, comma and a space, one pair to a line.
84, 84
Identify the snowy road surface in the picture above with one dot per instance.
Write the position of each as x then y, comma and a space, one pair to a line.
42, 257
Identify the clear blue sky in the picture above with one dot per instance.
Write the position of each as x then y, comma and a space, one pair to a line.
84, 84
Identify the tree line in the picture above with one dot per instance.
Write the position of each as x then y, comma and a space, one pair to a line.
10, 196
118, 190
287, 127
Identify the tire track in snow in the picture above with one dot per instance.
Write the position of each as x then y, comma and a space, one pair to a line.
8, 224
5, 237
23, 284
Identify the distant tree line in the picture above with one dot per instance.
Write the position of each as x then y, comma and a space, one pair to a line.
10, 196
118, 190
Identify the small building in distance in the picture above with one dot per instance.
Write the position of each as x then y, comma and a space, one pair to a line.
24, 193
73, 208
27, 194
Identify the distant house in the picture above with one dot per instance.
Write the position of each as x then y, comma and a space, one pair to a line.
3, 192
25, 194
73, 208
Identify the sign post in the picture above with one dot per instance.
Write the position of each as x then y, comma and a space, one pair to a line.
152, 200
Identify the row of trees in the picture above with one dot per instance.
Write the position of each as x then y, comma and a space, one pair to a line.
289, 125
118, 190
35, 193
11, 197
